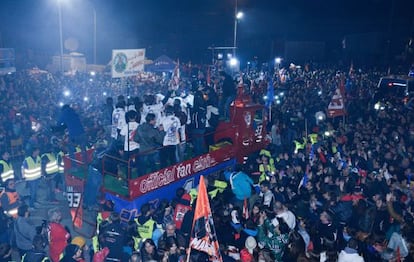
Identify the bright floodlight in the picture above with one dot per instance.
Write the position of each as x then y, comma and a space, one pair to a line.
104, 93
278, 60
220, 56
85, 99
233, 61
93, 73
229, 56
61, 104
239, 15
66, 93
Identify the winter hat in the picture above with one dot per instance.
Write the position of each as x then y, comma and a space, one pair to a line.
250, 244
79, 241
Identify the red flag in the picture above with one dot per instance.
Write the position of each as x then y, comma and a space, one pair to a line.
203, 233
337, 106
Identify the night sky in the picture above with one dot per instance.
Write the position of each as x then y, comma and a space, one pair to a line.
186, 28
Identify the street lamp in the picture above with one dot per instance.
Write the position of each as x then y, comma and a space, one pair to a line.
60, 34
59, 2
237, 16
94, 35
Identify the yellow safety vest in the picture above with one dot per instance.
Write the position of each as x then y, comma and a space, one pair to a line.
95, 240
266, 153
8, 172
213, 193
193, 193
145, 230
299, 145
220, 185
313, 138
13, 198
263, 172
33, 170
60, 162
52, 166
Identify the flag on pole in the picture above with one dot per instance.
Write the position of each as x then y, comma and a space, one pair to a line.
208, 75
337, 106
270, 93
245, 209
176, 73
203, 234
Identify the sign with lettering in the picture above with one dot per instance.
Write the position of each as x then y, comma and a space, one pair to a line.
163, 184
169, 175
127, 62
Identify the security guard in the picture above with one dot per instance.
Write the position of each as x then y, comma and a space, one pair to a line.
313, 138
145, 223
31, 172
267, 167
6, 168
9, 198
300, 145
50, 169
215, 186
102, 218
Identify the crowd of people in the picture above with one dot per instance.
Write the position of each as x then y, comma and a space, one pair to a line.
335, 189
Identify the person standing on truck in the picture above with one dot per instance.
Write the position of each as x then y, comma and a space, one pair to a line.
150, 138
77, 136
128, 131
118, 120
172, 138
228, 94
179, 112
197, 127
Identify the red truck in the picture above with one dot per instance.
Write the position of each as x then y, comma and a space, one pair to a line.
236, 139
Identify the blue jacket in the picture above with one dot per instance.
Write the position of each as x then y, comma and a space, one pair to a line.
241, 184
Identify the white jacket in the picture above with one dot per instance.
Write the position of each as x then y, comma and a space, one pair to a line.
349, 257
172, 128
129, 131
118, 121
